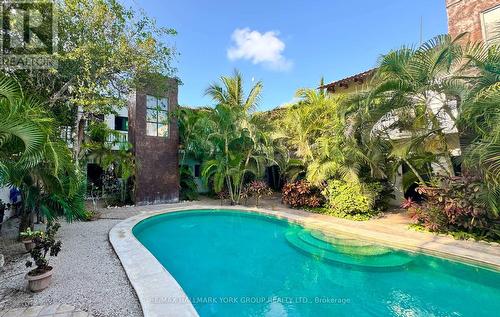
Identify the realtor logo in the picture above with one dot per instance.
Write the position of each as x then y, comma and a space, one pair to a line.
29, 33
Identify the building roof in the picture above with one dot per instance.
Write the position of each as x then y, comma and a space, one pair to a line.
345, 81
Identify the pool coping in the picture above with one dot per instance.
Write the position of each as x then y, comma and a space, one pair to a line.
161, 295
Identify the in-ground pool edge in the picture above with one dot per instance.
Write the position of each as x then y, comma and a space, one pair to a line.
158, 292
154, 295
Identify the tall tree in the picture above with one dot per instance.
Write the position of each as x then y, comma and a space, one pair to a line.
238, 146
104, 49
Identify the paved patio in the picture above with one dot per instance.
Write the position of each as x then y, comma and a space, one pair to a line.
60, 310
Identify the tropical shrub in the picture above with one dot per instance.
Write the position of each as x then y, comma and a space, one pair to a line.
34, 159
45, 245
189, 189
90, 215
301, 194
349, 198
384, 193
456, 204
258, 189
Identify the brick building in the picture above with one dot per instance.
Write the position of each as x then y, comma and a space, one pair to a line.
155, 144
480, 18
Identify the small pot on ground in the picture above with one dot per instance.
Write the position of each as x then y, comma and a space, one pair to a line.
28, 238
28, 245
38, 281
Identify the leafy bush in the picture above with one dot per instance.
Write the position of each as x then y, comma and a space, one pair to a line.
90, 215
29, 234
384, 192
349, 198
257, 189
189, 189
455, 204
45, 244
301, 194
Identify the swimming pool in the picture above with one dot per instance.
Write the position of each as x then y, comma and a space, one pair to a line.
232, 263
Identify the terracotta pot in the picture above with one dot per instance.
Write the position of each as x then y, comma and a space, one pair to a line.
37, 283
29, 245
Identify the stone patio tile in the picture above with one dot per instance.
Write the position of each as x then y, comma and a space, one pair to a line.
80, 314
16, 312
32, 311
49, 310
64, 308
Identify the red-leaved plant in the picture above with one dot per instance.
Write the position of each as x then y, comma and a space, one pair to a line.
301, 194
454, 205
258, 189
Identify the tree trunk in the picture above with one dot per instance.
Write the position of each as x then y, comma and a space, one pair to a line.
414, 171
80, 133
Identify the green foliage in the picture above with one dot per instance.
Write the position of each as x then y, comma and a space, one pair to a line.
349, 198
29, 234
189, 189
45, 245
90, 215
107, 148
316, 130
104, 50
35, 160
238, 146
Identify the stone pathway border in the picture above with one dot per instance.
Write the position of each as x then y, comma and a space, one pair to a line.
60, 310
161, 295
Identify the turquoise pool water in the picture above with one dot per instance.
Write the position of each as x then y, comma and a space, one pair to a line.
241, 264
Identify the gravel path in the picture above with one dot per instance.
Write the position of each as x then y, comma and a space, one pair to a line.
87, 274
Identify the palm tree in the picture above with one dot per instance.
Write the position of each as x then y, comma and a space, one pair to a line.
35, 160
238, 146
416, 92
480, 113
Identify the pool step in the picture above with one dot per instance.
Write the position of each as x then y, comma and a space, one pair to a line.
382, 262
348, 246
338, 239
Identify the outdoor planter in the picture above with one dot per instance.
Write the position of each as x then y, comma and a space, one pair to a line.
29, 245
39, 282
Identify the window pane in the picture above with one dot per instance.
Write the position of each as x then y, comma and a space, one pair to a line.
121, 123
163, 130
164, 104
162, 117
151, 129
151, 102
152, 115
490, 22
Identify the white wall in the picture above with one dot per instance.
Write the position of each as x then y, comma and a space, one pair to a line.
4, 196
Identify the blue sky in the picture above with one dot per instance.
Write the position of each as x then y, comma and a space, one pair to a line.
287, 44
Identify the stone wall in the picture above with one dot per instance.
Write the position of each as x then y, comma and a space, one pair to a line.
157, 160
465, 16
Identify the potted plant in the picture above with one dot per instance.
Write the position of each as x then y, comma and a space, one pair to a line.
27, 238
45, 245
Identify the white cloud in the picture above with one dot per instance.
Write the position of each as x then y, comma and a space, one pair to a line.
261, 48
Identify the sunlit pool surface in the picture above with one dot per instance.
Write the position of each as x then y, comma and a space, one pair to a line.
240, 264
